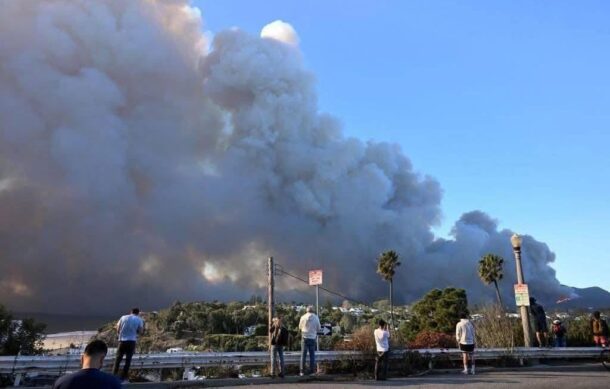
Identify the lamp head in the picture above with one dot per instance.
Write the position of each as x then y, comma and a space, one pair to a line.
515, 240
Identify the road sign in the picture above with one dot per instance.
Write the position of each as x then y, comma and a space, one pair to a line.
315, 277
522, 295
327, 329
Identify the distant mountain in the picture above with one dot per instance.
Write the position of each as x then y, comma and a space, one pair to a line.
593, 298
65, 323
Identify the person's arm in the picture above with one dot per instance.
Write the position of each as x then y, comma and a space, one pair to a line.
458, 333
142, 327
118, 326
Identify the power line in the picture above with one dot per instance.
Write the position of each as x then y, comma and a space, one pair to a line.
282, 271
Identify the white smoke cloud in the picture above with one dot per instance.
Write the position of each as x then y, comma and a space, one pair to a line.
141, 163
281, 31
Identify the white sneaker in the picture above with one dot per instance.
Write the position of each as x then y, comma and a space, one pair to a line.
472, 371
465, 371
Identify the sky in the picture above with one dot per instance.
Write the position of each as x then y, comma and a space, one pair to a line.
504, 103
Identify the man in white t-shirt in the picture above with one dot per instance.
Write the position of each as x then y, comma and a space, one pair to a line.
382, 341
309, 325
128, 328
465, 336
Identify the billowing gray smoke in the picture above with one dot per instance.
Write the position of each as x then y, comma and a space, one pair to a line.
141, 164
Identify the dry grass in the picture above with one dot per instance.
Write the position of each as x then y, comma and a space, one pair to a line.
494, 329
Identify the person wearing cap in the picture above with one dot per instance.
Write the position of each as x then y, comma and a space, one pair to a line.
539, 323
559, 331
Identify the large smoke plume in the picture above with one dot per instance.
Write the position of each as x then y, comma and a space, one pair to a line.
141, 163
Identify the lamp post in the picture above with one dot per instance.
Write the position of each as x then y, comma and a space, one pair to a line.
515, 240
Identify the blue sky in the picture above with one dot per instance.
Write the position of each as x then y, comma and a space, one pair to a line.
504, 103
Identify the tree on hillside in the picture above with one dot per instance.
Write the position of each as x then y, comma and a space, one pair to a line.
490, 270
438, 311
386, 267
20, 336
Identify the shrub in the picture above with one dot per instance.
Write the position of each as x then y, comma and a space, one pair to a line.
361, 340
431, 339
495, 329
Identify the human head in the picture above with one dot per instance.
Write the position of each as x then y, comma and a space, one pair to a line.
532, 300
556, 321
596, 314
310, 309
277, 320
381, 323
135, 311
465, 314
94, 354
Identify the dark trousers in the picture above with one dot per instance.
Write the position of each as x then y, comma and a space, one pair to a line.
381, 372
126, 348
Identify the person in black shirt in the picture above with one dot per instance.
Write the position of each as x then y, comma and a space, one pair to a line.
90, 376
542, 330
279, 340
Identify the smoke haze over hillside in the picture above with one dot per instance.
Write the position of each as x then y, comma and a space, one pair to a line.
142, 162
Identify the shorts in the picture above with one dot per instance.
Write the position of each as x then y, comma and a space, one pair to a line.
466, 348
540, 325
600, 340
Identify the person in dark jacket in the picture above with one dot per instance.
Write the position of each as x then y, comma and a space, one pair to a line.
279, 340
540, 325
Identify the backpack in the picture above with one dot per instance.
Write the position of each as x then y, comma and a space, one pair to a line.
597, 326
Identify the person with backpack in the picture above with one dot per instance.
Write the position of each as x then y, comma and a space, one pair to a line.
599, 327
279, 339
540, 325
560, 333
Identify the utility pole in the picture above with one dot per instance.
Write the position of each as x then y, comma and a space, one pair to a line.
270, 303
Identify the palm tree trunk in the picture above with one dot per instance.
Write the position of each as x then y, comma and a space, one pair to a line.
391, 304
498, 293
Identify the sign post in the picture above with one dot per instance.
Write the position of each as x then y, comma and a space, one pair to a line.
522, 296
315, 278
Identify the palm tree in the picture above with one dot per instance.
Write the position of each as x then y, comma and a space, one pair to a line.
490, 270
386, 267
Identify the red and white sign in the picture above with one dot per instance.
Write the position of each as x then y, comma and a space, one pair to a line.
522, 296
315, 277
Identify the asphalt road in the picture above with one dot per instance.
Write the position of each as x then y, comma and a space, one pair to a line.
590, 377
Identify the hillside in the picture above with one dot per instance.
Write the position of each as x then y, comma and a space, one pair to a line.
593, 298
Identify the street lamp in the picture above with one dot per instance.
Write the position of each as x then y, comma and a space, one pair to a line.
515, 240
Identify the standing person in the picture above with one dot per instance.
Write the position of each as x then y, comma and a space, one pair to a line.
309, 325
90, 376
465, 335
599, 327
128, 328
279, 339
539, 323
382, 341
560, 333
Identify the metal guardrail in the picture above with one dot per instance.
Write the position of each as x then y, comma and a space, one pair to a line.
61, 364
